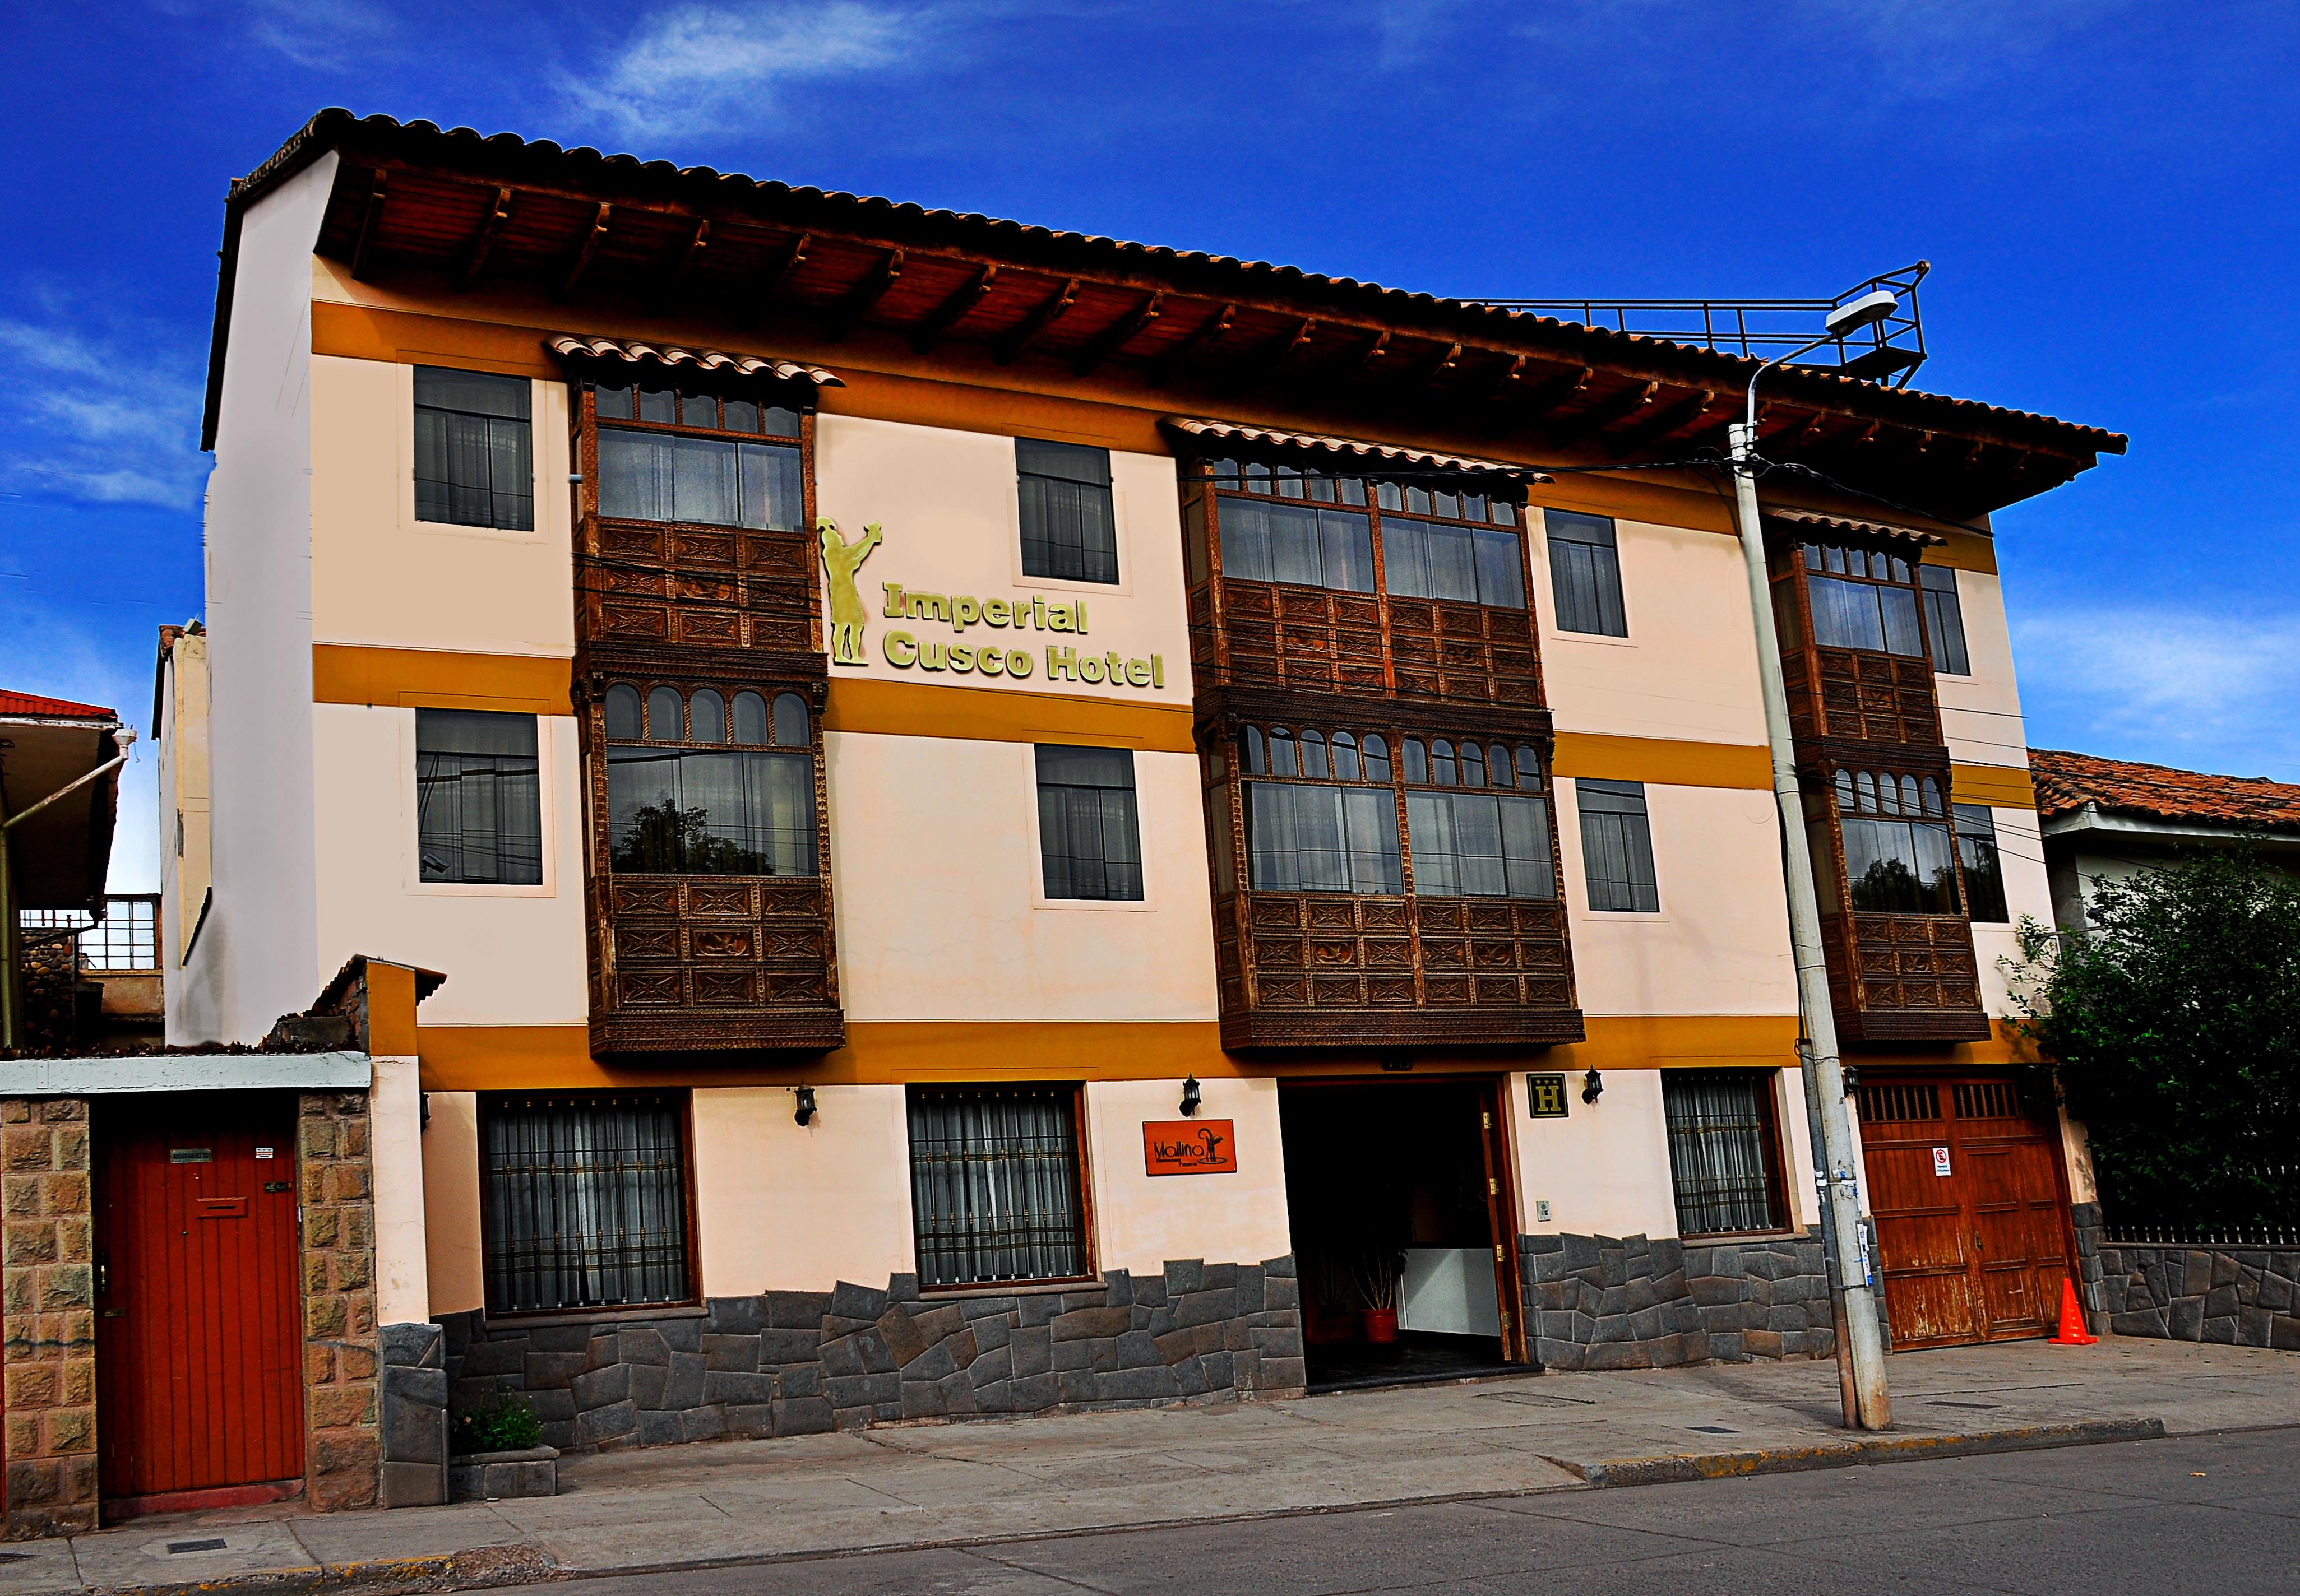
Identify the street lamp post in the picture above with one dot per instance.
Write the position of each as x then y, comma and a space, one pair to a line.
1860, 1344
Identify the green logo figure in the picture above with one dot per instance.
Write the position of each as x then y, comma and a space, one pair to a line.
841, 559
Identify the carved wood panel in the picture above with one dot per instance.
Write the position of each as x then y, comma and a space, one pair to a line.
1853, 695
1904, 976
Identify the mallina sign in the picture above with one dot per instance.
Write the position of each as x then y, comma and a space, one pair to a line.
906, 650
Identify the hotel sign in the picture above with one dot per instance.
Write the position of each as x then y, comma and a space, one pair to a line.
1189, 1147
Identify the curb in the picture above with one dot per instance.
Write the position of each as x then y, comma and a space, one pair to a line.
479, 1568
1896, 1448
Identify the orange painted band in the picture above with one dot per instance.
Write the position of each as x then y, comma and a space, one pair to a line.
435, 678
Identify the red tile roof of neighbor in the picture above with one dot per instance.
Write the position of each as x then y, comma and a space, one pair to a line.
2067, 782
32, 704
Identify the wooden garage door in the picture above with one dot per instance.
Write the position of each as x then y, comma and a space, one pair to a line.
198, 1341
1971, 1209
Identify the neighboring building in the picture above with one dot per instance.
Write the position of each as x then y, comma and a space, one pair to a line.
59, 797
2106, 820
1015, 821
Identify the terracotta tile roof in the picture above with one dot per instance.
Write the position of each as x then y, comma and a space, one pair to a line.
1838, 524
1351, 448
32, 704
2067, 782
633, 351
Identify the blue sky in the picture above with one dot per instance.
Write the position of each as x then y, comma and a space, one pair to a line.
2106, 191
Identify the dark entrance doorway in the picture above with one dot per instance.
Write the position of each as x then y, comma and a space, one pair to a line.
1400, 1203
198, 1343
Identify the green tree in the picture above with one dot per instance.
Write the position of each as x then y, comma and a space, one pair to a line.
2173, 1019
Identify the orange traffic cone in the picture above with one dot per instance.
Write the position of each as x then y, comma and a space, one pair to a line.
2072, 1332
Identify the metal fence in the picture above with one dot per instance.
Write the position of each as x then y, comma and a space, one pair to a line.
125, 941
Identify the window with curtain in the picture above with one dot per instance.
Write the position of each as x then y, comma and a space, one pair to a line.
479, 803
681, 801
585, 1199
1308, 545
995, 1188
1899, 858
1069, 524
1469, 837
1313, 529
1863, 599
1617, 858
1472, 565
1724, 1151
1945, 620
1585, 573
1090, 833
474, 461
732, 461
1984, 867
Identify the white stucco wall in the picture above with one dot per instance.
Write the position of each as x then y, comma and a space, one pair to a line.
402, 1268
786, 1207
1980, 712
1142, 1220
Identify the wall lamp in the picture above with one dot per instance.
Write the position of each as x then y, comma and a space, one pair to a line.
1190, 1096
1593, 1086
805, 1115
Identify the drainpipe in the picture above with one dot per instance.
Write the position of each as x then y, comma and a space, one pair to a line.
1860, 1346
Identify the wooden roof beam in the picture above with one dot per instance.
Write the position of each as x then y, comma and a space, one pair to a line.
1539, 399
371, 220
1683, 414
1051, 309
1118, 335
1212, 331
953, 310
779, 270
1437, 367
1504, 381
593, 235
865, 294
690, 253
483, 241
1604, 413
1370, 362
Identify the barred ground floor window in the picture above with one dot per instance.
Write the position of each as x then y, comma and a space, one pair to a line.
1724, 1151
586, 1200
996, 1192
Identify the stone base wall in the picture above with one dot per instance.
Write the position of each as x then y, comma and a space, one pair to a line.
415, 1415
2237, 1296
47, 1283
51, 989
343, 1452
2084, 1219
1609, 1302
795, 1363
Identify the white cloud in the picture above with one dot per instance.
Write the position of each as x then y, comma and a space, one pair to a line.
328, 35
696, 67
108, 413
2175, 687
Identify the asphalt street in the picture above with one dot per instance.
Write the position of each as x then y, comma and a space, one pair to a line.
2218, 1513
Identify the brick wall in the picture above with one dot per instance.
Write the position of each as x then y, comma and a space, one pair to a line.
343, 1451
47, 1285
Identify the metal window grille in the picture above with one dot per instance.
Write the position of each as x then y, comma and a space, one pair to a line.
585, 1202
1721, 1150
1617, 845
994, 1184
1090, 833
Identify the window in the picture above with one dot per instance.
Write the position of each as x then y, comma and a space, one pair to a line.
1070, 528
1617, 845
1314, 530
1474, 565
994, 1187
1897, 854
1476, 844
1089, 834
1724, 1151
473, 460
478, 803
1945, 620
724, 479
586, 1201
1335, 832
1585, 573
1984, 868
699, 806
1305, 544
1863, 599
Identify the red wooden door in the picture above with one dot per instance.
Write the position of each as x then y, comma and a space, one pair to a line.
1966, 1187
198, 1340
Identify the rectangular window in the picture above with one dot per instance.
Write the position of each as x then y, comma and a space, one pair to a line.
1306, 544
1724, 1151
1617, 845
586, 1201
1585, 573
714, 482
677, 811
1479, 845
1301, 838
1863, 599
1069, 526
1475, 565
1984, 868
474, 465
478, 803
1945, 620
1090, 833
995, 1188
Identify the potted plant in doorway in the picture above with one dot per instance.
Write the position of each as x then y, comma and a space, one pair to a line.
1379, 1271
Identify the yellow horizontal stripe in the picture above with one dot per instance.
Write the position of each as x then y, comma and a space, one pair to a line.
435, 678
1664, 762
1000, 715
2000, 787
361, 332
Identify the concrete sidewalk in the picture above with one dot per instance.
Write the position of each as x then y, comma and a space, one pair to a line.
977, 1480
